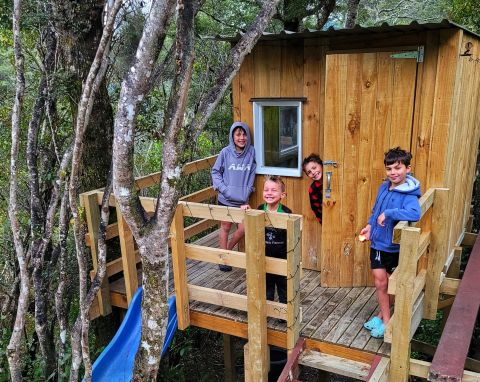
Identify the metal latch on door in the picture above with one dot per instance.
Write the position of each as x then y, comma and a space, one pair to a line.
328, 191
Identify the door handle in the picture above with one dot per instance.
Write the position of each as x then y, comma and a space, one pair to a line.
328, 191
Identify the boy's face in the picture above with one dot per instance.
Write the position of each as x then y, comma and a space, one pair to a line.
314, 170
239, 138
272, 193
397, 173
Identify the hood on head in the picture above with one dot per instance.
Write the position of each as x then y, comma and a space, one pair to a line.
245, 127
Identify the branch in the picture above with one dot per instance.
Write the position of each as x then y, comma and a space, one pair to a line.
89, 90
232, 66
133, 90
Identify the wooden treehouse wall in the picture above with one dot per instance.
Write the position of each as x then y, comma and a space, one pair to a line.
444, 134
464, 132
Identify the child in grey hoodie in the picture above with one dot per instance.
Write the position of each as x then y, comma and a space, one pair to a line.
233, 175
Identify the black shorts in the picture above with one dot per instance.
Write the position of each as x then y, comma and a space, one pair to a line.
382, 259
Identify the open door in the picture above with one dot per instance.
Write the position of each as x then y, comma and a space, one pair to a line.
369, 104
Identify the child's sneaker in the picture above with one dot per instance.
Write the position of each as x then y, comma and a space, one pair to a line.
225, 268
373, 323
378, 332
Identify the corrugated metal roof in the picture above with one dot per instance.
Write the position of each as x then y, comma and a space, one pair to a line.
414, 26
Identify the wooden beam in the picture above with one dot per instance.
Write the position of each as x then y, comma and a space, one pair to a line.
438, 252
231, 214
400, 353
112, 231
232, 300
455, 340
469, 239
294, 255
177, 241
189, 168
92, 214
200, 226
446, 303
380, 371
115, 266
229, 358
200, 196
129, 263
198, 165
334, 364
417, 312
427, 200
449, 286
232, 258
256, 294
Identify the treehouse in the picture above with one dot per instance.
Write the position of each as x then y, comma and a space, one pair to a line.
348, 95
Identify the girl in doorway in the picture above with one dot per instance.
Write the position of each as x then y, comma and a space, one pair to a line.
313, 168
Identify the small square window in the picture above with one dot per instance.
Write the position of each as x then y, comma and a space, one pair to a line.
278, 137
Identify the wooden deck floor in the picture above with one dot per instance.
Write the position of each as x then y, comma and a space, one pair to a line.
334, 315
329, 315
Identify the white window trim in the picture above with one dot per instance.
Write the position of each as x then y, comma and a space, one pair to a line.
259, 138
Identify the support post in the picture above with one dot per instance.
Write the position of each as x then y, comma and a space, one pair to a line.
400, 351
437, 253
229, 358
92, 213
256, 295
294, 251
177, 242
129, 263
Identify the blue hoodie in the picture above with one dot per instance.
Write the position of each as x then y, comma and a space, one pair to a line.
233, 173
400, 203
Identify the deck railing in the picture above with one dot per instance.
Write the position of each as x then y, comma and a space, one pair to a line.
415, 283
256, 264
129, 258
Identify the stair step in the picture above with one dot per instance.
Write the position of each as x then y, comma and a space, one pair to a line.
333, 364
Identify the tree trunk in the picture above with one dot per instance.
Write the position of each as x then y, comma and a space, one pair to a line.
13, 348
79, 28
352, 8
151, 234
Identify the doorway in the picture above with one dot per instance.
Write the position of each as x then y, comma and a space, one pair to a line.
369, 107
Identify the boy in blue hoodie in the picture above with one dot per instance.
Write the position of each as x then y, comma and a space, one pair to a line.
233, 175
397, 200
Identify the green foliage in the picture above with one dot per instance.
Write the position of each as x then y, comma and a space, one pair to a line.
465, 12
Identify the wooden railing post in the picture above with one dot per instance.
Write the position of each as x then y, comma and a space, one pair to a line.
129, 263
294, 251
256, 296
92, 214
177, 241
400, 351
437, 253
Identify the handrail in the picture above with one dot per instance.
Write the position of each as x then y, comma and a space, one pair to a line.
409, 280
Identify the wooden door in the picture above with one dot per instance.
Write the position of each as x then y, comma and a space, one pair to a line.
369, 103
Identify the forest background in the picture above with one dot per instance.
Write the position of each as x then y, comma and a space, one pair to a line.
42, 265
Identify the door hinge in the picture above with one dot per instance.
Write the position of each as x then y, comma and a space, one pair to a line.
416, 54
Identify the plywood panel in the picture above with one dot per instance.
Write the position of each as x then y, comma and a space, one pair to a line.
291, 85
351, 137
312, 142
335, 100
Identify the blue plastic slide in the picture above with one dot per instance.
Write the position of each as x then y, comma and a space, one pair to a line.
117, 360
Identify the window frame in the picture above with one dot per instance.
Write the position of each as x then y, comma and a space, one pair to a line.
258, 135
